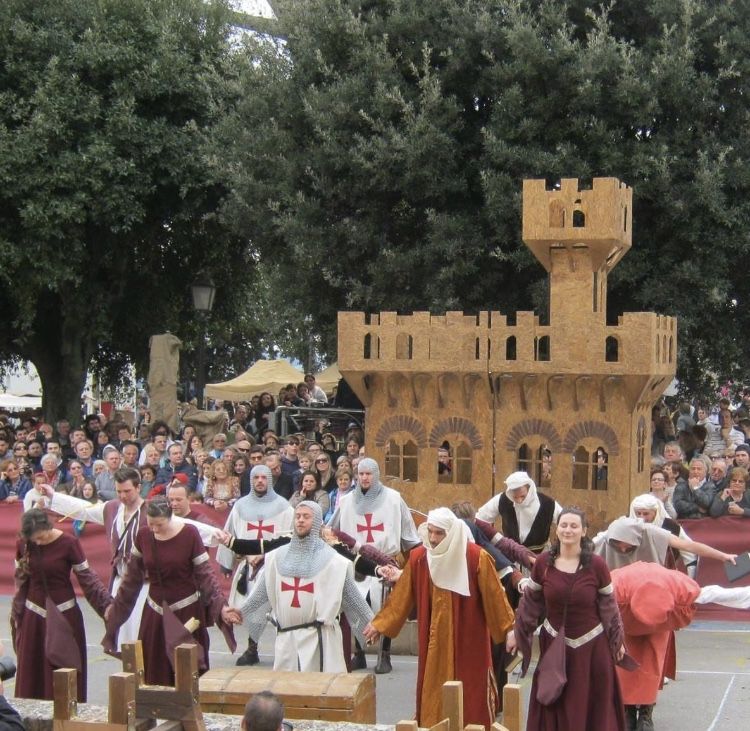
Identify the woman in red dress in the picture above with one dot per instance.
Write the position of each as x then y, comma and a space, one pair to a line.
45, 557
171, 557
570, 572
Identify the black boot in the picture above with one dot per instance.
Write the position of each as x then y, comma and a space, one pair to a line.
645, 722
359, 661
250, 656
631, 718
384, 664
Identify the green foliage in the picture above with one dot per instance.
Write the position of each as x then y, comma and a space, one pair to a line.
380, 157
109, 182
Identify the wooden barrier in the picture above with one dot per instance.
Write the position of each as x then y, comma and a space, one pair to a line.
452, 708
310, 696
132, 705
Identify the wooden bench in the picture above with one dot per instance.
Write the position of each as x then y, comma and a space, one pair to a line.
310, 696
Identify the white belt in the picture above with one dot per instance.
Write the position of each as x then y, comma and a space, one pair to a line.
42, 612
578, 641
186, 602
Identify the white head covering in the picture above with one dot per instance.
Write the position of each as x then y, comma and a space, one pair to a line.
648, 501
527, 510
447, 561
651, 542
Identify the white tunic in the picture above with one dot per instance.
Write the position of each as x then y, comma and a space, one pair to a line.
269, 527
380, 528
298, 601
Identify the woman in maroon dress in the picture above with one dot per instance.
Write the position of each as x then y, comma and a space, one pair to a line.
171, 557
45, 557
569, 572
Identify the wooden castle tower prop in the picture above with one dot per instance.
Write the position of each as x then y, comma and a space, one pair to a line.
569, 402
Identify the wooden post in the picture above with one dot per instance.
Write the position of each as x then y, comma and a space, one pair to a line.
512, 706
186, 669
453, 704
132, 660
498, 727
121, 699
407, 726
65, 693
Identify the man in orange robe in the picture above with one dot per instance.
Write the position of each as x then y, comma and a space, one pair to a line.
460, 606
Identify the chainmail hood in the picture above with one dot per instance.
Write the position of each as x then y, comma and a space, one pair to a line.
256, 507
305, 556
369, 501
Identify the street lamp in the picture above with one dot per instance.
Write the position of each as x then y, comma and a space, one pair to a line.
203, 291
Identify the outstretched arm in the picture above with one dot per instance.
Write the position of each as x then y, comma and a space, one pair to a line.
701, 549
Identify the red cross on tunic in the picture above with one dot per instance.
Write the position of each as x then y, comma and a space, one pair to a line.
296, 587
260, 528
369, 527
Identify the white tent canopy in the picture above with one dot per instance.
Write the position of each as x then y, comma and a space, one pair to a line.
9, 401
265, 375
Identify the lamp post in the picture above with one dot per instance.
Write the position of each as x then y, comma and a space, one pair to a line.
203, 291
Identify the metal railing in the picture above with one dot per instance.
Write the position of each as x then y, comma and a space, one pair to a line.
292, 419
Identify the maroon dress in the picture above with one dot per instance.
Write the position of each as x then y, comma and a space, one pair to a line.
54, 561
591, 700
178, 571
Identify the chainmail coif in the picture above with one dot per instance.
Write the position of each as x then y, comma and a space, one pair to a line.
305, 556
368, 501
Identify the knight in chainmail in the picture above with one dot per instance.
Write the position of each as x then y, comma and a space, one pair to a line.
305, 586
378, 516
260, 514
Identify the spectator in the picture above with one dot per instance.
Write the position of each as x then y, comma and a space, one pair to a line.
290, 460
310, 489
660, 490
105, 481
177, 464
35, 449
264, 412
219, 444
694, 499
76, 480
324, 468
90, 493
732, 500
130, 452
328, 442
240, 466
344, 486
148, 479
353, 445
84, 450
195, 444
317, 394
283, 484
222, 489
264, 712
6, 450
53, 473
718, 474
13, 485
742, 456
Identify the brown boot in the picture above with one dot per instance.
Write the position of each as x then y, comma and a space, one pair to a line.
631, 718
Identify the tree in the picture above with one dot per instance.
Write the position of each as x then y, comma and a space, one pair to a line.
109, 181
381, 155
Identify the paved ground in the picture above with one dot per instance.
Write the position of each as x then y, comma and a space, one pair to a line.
712, 692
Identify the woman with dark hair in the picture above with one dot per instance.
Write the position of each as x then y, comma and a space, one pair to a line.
181, 583
310, 489
45, 556
570, 586
326, 472
266, 406
14, 484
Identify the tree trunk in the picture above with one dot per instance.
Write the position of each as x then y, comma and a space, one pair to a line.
60, 348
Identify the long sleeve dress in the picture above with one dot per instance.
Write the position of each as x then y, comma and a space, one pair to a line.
53, 561
180, 574
593, 630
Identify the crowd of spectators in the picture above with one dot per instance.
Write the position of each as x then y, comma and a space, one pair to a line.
81, 460
701, 458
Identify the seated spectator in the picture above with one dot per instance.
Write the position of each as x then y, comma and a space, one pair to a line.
13, 485
290, 458
742, 456
343, 487
148, 479
673, 452
328, 442
694, 499
90, 493
718, 474
177, 464
325, 470
76, 478
732, 500
53, 473
310, 489
222, 489
660, 490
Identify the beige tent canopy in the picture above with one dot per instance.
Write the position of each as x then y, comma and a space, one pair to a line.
265, 375
328, 379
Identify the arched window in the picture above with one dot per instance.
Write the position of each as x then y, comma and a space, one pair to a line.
402, 460
579, 219
455, 464
368, 347
404, 346
536, 461
611, 349
541, 348
590, 469
510, 348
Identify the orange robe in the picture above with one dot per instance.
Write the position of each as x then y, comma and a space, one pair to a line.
454, 633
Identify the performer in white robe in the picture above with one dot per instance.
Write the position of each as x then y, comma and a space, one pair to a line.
307, 585
260, 514
378, 516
